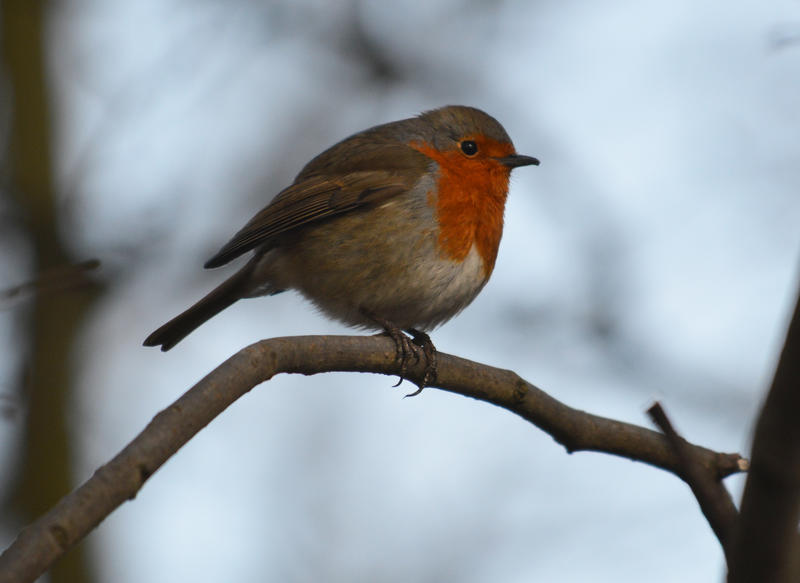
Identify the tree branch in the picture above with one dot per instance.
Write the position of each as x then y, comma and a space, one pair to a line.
714, 499
766, 546
41, 543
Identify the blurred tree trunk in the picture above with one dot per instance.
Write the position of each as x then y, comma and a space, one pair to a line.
55, 317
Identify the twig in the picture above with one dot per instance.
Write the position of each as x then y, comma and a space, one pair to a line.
714, 499
53, 280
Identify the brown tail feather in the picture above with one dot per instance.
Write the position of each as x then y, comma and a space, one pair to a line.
227, 293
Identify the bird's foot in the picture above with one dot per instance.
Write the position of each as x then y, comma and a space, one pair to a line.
408, 349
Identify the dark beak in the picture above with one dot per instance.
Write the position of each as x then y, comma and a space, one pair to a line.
517, 160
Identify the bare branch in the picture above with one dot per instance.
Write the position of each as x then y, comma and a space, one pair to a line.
41, 543
766, 546
714, 499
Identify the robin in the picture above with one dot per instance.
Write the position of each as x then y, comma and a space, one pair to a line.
394, 228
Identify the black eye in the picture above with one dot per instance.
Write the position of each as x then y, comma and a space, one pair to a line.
469, 147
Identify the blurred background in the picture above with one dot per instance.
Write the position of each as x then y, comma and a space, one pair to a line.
652, 255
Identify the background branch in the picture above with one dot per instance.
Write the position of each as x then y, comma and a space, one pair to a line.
76, 514
766, 546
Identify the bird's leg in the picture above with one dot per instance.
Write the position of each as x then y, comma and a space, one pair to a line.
424, 341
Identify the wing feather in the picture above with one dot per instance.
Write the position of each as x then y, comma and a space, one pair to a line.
310, 200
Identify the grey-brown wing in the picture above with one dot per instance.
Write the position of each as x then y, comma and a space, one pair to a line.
312, 199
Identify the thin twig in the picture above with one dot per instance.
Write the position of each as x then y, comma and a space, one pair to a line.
50, 281
714, 499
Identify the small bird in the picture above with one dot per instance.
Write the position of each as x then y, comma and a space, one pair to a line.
395, 228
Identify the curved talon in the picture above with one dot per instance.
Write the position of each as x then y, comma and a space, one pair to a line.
415, 393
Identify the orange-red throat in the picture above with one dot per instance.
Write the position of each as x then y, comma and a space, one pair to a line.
471, 198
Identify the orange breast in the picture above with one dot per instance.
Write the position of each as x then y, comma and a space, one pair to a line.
471, 199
